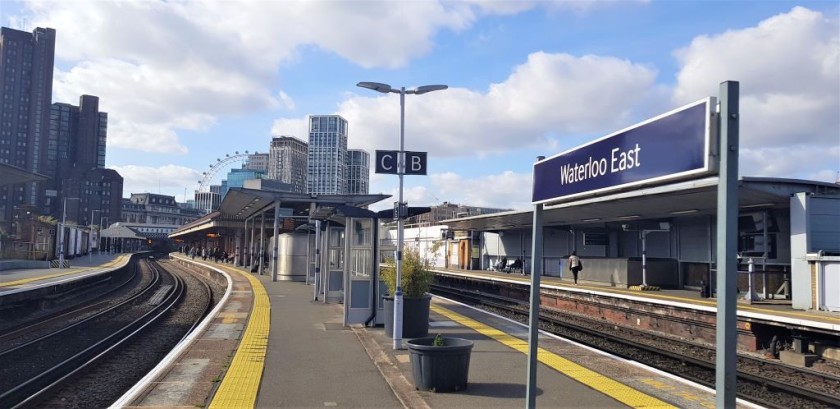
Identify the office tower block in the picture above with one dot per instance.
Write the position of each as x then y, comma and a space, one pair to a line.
358, 172
327, 166
287, 162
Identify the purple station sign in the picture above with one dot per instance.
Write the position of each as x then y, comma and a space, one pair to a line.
674, 145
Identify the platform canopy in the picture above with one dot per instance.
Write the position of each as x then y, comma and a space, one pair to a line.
120, 232
241, 204
692, 198
12, 175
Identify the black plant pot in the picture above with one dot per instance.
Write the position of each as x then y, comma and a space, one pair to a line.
415, 316
444, 368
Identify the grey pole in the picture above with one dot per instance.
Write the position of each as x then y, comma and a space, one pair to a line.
644, 258
253, 243
262, 244
90, 239
247, 247
398, 296
275, 249
317, 257
534, 315
727, 248
99, 237
61, 236
400, 209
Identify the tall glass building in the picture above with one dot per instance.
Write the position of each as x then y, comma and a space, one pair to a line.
327, 159
358, 172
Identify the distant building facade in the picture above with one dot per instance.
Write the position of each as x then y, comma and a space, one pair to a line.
258, 162
287, 162
446, 211
237, 178
358, 172
155, 216
327, 155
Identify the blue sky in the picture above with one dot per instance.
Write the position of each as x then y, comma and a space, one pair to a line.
187, 82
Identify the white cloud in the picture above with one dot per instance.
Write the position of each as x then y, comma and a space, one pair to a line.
291, 127
547, 96
788, 67
162, 67
169, 180
486, 191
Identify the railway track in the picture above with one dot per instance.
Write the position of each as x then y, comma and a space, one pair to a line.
92, 362
765, 382
29, 328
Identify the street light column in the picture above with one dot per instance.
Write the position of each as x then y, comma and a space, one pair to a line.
90, 242
398, 296
401, 208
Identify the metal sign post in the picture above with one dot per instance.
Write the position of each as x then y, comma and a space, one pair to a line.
727, 248
385, 163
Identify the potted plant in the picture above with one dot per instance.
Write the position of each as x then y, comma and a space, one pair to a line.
416, 280
440, 364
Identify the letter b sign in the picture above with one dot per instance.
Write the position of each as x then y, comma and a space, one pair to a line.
415, 163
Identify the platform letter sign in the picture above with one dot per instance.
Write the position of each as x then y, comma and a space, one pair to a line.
674, 146
386, 162
415, 162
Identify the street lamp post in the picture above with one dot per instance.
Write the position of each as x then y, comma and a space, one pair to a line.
61, 232
90, 250
99, 236
401, 206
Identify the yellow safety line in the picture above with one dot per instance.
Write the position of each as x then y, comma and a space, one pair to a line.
242, 381
47, 277
707, 303
588, 377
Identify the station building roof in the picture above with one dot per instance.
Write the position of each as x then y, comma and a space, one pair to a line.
689, 198
13, 175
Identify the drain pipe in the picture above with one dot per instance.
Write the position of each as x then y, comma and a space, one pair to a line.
374, 277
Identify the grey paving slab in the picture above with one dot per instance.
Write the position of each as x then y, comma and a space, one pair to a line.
314, 361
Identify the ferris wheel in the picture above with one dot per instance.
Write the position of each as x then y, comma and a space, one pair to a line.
221, 163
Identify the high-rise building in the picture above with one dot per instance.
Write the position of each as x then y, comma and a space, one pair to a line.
327, 166
358, 172
287, 162
76, 162
26, 74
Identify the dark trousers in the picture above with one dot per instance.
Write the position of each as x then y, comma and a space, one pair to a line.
575, 271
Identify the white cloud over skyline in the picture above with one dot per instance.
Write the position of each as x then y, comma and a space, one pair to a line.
170, 73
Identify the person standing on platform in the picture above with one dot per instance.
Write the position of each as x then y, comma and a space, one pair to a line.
575, 265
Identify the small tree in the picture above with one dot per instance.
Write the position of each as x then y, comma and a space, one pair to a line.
416, 277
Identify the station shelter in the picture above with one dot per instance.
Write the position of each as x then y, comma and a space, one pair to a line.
788, 236
327, 241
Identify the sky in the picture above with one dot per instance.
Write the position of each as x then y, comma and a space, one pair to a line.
188, 83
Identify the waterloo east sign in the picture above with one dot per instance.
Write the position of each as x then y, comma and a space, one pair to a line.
675, 145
